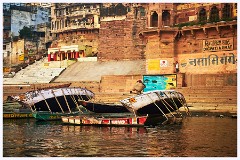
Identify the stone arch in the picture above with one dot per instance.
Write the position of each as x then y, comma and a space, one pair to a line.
202, 16
214, 14
166, 18
226, 11
154, 19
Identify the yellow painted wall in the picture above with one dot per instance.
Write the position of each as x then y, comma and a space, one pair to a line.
17, 50
160, 66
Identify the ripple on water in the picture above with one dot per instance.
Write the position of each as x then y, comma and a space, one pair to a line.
195, 137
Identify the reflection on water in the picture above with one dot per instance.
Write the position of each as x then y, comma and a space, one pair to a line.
195, 137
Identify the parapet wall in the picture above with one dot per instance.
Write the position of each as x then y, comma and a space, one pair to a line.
121, 83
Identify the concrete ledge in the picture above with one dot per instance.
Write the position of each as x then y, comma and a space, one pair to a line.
87, 59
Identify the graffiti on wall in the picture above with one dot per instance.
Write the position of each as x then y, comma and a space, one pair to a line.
214, 45
212, 59
159, 82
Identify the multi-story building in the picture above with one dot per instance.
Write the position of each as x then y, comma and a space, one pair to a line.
19, 15
119, 32
200, 38
75, 28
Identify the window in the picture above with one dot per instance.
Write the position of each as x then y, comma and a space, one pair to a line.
154, 19
214, 14
226, 11
142, 11
4, 47
166, 18
202, 15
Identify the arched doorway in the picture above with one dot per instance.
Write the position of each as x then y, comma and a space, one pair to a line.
154, 19
214, 14
166, 18
226, 12
202, 15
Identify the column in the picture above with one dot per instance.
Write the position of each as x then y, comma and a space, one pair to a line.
49, 57
77, 55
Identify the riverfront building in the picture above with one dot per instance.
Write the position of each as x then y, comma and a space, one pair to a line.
191, 47
16, 16
199, 38
75, 27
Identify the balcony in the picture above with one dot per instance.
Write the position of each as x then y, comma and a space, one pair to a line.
75, 27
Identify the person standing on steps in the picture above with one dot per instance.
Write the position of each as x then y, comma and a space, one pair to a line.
177, 67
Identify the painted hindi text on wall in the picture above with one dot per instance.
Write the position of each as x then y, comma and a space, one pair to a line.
209, 62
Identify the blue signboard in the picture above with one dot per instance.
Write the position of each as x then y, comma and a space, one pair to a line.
159, 82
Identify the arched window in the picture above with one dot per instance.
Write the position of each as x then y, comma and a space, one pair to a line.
166, 18
226, 11
154, 18
202, 15
214, 14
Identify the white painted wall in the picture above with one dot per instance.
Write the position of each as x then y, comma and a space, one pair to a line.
19, 19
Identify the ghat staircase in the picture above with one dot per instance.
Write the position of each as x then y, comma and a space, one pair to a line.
206, 99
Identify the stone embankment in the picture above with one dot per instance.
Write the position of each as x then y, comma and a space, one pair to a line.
111, 84
199, 99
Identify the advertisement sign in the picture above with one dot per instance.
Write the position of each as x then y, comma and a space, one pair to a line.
163, 63
21, 57
214, 45
159, 82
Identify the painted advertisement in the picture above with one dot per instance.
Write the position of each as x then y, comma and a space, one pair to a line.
216, 62
160, 66
159, 82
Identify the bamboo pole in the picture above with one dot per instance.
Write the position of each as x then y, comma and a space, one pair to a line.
31, 105
45, 101
66, 101
78, 94
57, 101
87, 94
164, 103
74, 100
158, 108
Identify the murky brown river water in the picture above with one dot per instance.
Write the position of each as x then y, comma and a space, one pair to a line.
195, 137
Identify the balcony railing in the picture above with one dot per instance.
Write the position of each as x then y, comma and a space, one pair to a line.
74, 27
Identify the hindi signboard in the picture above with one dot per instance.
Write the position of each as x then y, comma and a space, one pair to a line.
216, 45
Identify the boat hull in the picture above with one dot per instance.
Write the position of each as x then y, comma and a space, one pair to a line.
54, 100
46, 116
65, 105
162, 107
155, 102
107, 121
104, 108
14, 115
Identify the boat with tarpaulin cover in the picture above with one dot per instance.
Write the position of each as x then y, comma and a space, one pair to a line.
54, 99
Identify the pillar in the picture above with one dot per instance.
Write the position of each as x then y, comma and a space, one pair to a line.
55, 56
77, 55
49, 57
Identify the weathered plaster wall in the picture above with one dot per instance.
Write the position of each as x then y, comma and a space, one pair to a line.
119, 39
17, 50
19, 19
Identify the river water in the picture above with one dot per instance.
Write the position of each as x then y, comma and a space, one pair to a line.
195, 137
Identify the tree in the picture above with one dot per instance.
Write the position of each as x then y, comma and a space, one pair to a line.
26, 32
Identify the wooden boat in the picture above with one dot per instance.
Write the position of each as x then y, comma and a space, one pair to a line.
116, 119
17, 114
54, 99
46, 115
159, 102
13, 110
104, 107
106, 121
